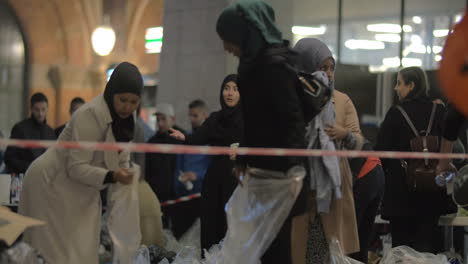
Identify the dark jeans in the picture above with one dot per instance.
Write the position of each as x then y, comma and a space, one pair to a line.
368, 193
421, 233
280, 249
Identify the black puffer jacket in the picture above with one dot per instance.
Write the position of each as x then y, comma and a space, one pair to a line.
272, 115
17, 160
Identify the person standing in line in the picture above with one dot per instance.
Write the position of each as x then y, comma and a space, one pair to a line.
222, 128
413, 215
75, 103
18, 160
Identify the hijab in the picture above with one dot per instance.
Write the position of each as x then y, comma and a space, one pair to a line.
325, 171
250, 25
125, 78
228, 125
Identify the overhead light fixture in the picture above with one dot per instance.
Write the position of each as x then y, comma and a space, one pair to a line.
407, 28
408, 62
437, 58
389, 37
437, 49
154, 39
364, 44
418, 48
438, 33
103, 40
308, 31
392, 62
417, 20
377, 68
416, 39
388, 28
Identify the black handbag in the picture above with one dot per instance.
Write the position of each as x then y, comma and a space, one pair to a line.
313, 93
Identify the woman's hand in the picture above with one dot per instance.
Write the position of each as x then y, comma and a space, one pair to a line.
336, 132
176, 134
123, 175
188, 176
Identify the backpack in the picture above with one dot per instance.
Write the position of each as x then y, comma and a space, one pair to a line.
421, 173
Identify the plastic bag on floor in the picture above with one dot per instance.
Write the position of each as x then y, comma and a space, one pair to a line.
191, 238
337, 256
123, 219
142, 256
21, 253
407, 255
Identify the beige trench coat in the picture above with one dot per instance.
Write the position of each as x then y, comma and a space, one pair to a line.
340, 222
62, 188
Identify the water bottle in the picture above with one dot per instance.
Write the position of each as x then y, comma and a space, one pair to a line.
13, 189
443, 178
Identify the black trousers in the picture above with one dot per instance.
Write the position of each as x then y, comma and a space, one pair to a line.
420, 233
216, 191
183, 216
368, 193
280, 249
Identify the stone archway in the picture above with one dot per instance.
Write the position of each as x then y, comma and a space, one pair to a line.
13, 68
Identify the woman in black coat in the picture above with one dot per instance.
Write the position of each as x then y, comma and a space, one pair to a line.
222, 128
271, 107
413, 216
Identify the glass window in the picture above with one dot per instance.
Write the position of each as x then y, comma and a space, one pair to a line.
431, 21
316, 19
371, 33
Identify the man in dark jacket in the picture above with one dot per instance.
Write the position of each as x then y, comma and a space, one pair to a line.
160, 168
75, 103
17, 160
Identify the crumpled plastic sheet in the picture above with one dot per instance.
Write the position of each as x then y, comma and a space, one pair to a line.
407, 255
255, 213
22, 253
123, 222
142, 256
337, 256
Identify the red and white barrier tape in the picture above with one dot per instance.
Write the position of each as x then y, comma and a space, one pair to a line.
208, 150
181, 199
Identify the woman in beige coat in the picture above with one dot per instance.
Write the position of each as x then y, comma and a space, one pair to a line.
338, 218
62, 187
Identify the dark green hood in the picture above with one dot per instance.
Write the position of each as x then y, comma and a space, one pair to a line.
249, 24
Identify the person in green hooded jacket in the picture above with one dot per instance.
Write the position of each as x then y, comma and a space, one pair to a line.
271, 109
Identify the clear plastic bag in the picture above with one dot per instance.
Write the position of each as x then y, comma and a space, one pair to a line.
337, 256
123, 219
142, 256
22, 253
255, 214
407, 255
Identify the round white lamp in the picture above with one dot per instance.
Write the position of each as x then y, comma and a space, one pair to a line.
103, 40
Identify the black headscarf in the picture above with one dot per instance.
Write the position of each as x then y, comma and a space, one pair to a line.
228, 126
126, 78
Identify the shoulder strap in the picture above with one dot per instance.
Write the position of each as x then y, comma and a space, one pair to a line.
431, 120
405, 115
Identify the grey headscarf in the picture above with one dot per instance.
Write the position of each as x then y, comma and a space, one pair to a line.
324, 171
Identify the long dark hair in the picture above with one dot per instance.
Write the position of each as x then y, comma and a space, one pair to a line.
419, 78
